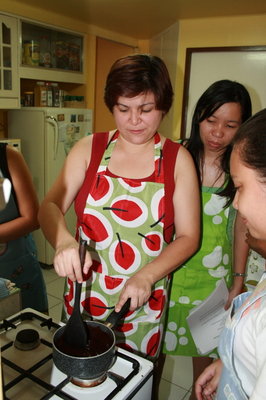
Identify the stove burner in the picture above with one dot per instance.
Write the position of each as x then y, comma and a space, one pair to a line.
87, 383
27, 339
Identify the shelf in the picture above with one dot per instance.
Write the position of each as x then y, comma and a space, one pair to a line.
50, 74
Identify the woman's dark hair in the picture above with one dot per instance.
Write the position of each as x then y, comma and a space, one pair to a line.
139, 73
250, 141
219, 93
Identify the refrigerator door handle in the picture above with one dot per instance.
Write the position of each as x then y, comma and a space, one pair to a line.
53, 121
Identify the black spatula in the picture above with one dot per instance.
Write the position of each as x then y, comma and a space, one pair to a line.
76, 331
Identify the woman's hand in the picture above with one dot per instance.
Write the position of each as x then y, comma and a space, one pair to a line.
138, 288
67, 261
234, 291
207, 383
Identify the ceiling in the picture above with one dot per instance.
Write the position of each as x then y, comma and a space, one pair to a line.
143, 19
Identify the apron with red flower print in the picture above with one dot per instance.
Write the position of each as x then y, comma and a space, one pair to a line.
123, 223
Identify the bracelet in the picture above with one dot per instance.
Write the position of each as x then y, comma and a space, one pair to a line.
239, 274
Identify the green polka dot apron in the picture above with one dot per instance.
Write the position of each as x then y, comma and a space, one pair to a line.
123, 223
199, 276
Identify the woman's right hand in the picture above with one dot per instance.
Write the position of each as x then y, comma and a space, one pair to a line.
207, 383
67, 261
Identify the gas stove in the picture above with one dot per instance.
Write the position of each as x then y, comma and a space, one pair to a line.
29, 372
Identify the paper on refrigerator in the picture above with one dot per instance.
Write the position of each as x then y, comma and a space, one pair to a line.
207, 320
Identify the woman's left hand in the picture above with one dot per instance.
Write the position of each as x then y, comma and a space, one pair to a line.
138, 288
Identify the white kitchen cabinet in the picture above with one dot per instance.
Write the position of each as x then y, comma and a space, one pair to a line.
9, 77
51, 54
64, 47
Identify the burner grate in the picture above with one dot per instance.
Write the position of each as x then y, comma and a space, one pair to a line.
28, 373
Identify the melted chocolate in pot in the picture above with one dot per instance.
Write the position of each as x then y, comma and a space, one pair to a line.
99, 342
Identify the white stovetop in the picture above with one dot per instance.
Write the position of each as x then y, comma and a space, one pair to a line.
26, 390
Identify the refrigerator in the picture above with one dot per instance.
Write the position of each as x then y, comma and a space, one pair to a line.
47, 135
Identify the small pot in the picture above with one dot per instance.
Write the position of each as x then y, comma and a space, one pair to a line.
92, 362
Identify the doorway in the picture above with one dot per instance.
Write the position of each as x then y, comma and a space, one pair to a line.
107, 52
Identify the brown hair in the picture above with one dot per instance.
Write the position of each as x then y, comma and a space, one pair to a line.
139, 73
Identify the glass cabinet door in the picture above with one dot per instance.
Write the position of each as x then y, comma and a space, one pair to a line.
46, 47
9, 80
48, 53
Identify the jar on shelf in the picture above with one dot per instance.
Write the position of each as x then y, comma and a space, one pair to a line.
61, 98
56, 93
74, 101
61, 55
31, 52
45, 52
74, 57
49, 94
28, 99
40, 95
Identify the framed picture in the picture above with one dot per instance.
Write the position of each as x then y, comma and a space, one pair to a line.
205, 65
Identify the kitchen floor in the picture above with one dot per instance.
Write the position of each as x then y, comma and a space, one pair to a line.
177, 374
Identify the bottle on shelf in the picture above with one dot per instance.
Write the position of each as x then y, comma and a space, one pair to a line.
74, 57
28, 99
61, 98
56, 97
45, 52
62, 54
40, 95
49, 94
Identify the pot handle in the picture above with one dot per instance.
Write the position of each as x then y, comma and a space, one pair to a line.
114, 317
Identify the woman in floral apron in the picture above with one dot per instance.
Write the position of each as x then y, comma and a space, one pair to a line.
122, 225
241, 372
125, 215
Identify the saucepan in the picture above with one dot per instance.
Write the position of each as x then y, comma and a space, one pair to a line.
97, 357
